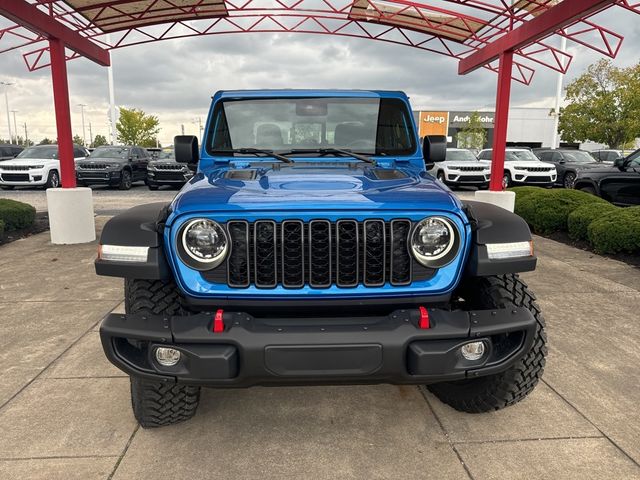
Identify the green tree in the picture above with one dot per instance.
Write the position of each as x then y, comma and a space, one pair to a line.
77, 139
474, 134
137, 128
603, 106
46, 141
99, 141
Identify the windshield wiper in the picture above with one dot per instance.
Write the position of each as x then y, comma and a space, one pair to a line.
255, 151
324, 151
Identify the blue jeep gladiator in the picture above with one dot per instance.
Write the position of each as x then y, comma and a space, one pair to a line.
312, 247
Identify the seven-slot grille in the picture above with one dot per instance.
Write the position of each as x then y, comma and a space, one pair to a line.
168, 166
539, 169
478, 168
319, 253
92, 166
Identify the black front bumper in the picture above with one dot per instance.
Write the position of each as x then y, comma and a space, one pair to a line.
99, 177
286, 351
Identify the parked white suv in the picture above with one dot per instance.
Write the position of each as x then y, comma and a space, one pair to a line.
35, 166
522, 167
462, 168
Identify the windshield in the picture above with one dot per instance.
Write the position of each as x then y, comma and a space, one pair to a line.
461, 156
364, 125
520, 155
579, 157
109, 152
166, 155
39, 152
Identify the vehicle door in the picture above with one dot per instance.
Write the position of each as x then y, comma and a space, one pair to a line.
623, 187
144, 157
134, 163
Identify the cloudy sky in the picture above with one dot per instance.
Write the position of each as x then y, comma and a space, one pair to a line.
175, 79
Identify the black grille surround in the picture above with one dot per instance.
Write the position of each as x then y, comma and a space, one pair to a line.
319, 253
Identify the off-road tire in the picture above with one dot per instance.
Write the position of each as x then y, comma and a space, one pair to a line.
156, 404
493, 392
125, 180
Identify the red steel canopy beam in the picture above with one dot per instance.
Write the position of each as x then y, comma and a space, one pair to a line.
546, 23
30, 17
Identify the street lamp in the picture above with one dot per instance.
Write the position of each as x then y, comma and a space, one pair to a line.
15, 124
84, 135
6, 102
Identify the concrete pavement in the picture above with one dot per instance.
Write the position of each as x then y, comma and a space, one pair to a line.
65, 411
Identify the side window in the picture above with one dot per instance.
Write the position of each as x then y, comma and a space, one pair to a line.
556, 157
611, 156
14, 151
4, 152
77, 153
144, 153
486, 155
545, 156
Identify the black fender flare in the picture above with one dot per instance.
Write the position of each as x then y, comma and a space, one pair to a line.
586, 182
140, 226
493, 224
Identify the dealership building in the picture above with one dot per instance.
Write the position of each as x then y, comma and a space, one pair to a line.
528, 127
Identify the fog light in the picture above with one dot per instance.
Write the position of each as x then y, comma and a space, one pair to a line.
167, 357
472, 351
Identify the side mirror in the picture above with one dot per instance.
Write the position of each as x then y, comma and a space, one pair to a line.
434, 149
619, 162
186, 150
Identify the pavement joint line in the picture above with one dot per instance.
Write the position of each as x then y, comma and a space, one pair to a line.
515, 440
422, 390
633, 460
71, 345
86, 378
53, 457
124, 452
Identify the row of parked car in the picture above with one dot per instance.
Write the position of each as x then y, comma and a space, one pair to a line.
605, 173
115, 166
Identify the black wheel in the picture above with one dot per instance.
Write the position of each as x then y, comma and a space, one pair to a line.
590, 190
153, 187
125, 180
156, 404
506, 180
441, 176
53, 180
569, 180
7, 187
493, 392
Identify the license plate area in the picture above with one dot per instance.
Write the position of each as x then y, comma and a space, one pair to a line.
323, 360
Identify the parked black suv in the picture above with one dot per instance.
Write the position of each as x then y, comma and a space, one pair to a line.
116, 166
619, 184
607, 156
568, 163
7, 151
164, 170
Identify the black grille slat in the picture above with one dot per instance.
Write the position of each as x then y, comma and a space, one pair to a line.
320, 253
264, 243
238, 274
400, 256
347, 246
374, 264
293, 253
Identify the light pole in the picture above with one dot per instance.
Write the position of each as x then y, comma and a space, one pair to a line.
6, 102
15, 124
555, 142
84, 135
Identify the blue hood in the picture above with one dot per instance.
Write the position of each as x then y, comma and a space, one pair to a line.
313, 186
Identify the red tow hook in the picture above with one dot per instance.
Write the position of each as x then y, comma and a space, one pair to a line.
423, 323
218, 323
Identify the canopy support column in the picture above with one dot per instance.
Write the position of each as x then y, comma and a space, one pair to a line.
501, 121
63, 113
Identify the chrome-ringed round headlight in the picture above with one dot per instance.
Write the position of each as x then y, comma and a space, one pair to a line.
202, 244
435, 242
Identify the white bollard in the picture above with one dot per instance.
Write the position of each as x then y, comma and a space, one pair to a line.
506, 200
71, 215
